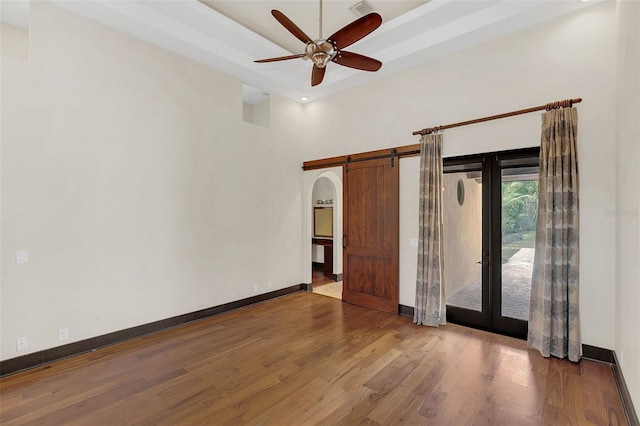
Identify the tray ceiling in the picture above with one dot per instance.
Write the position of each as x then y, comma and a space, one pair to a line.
229, 35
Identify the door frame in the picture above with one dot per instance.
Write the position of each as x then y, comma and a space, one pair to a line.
310, 177
491, 318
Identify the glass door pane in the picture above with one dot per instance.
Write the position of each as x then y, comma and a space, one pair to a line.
519, 213
489, 220
462, 216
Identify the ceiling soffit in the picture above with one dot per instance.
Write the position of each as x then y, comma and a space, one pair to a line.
230, 35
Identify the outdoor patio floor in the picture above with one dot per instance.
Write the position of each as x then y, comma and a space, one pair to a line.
516, 288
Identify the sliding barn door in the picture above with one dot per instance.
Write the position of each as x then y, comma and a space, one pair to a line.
371, 231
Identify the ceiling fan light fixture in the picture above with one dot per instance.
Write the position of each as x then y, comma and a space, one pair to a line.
320, 59
320, 52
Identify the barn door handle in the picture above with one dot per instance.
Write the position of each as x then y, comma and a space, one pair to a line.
344, 241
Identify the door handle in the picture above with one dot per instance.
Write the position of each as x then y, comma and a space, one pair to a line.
481, 262
344, 241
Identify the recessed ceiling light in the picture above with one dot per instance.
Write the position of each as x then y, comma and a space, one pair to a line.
304, 98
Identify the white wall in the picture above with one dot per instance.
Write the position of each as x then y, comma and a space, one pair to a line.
15, 41
566, 58
627, 213
322, 190
258, 114
139, 193
409, 207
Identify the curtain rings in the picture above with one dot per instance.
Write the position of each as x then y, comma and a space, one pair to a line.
566, 103
430, 130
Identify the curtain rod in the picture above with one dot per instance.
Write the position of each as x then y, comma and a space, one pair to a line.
552, 105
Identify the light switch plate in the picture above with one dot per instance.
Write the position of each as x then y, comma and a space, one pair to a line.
413, 242
21, 257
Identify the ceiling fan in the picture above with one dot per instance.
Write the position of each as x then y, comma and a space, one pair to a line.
321, 51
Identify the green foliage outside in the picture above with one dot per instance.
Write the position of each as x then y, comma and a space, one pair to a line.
519, 213
519, 206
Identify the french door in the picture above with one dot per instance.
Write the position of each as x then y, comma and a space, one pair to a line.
489, 210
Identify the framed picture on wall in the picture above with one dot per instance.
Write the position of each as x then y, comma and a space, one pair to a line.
323, 222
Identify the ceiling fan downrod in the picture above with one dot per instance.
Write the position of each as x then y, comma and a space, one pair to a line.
320, 51
320, 30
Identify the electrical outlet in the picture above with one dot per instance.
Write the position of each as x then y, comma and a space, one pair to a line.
22, 257
63, 334
255, 288
269, 285
21, 344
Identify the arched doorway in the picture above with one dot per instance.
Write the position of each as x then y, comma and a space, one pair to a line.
322, 249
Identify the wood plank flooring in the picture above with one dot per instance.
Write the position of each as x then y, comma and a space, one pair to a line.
309, 359
319, 278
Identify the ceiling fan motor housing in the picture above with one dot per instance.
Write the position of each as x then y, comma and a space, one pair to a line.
320, 52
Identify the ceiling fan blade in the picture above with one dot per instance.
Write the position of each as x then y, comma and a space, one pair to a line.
291, 27
357, 61
280, 58
356, 30
317, 75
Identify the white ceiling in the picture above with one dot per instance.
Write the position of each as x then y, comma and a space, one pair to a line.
229, 35
256, 15
15, 12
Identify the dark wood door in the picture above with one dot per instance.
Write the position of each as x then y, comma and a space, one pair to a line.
371, 229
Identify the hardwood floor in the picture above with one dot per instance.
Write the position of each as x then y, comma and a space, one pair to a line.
319, 278
309, 359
